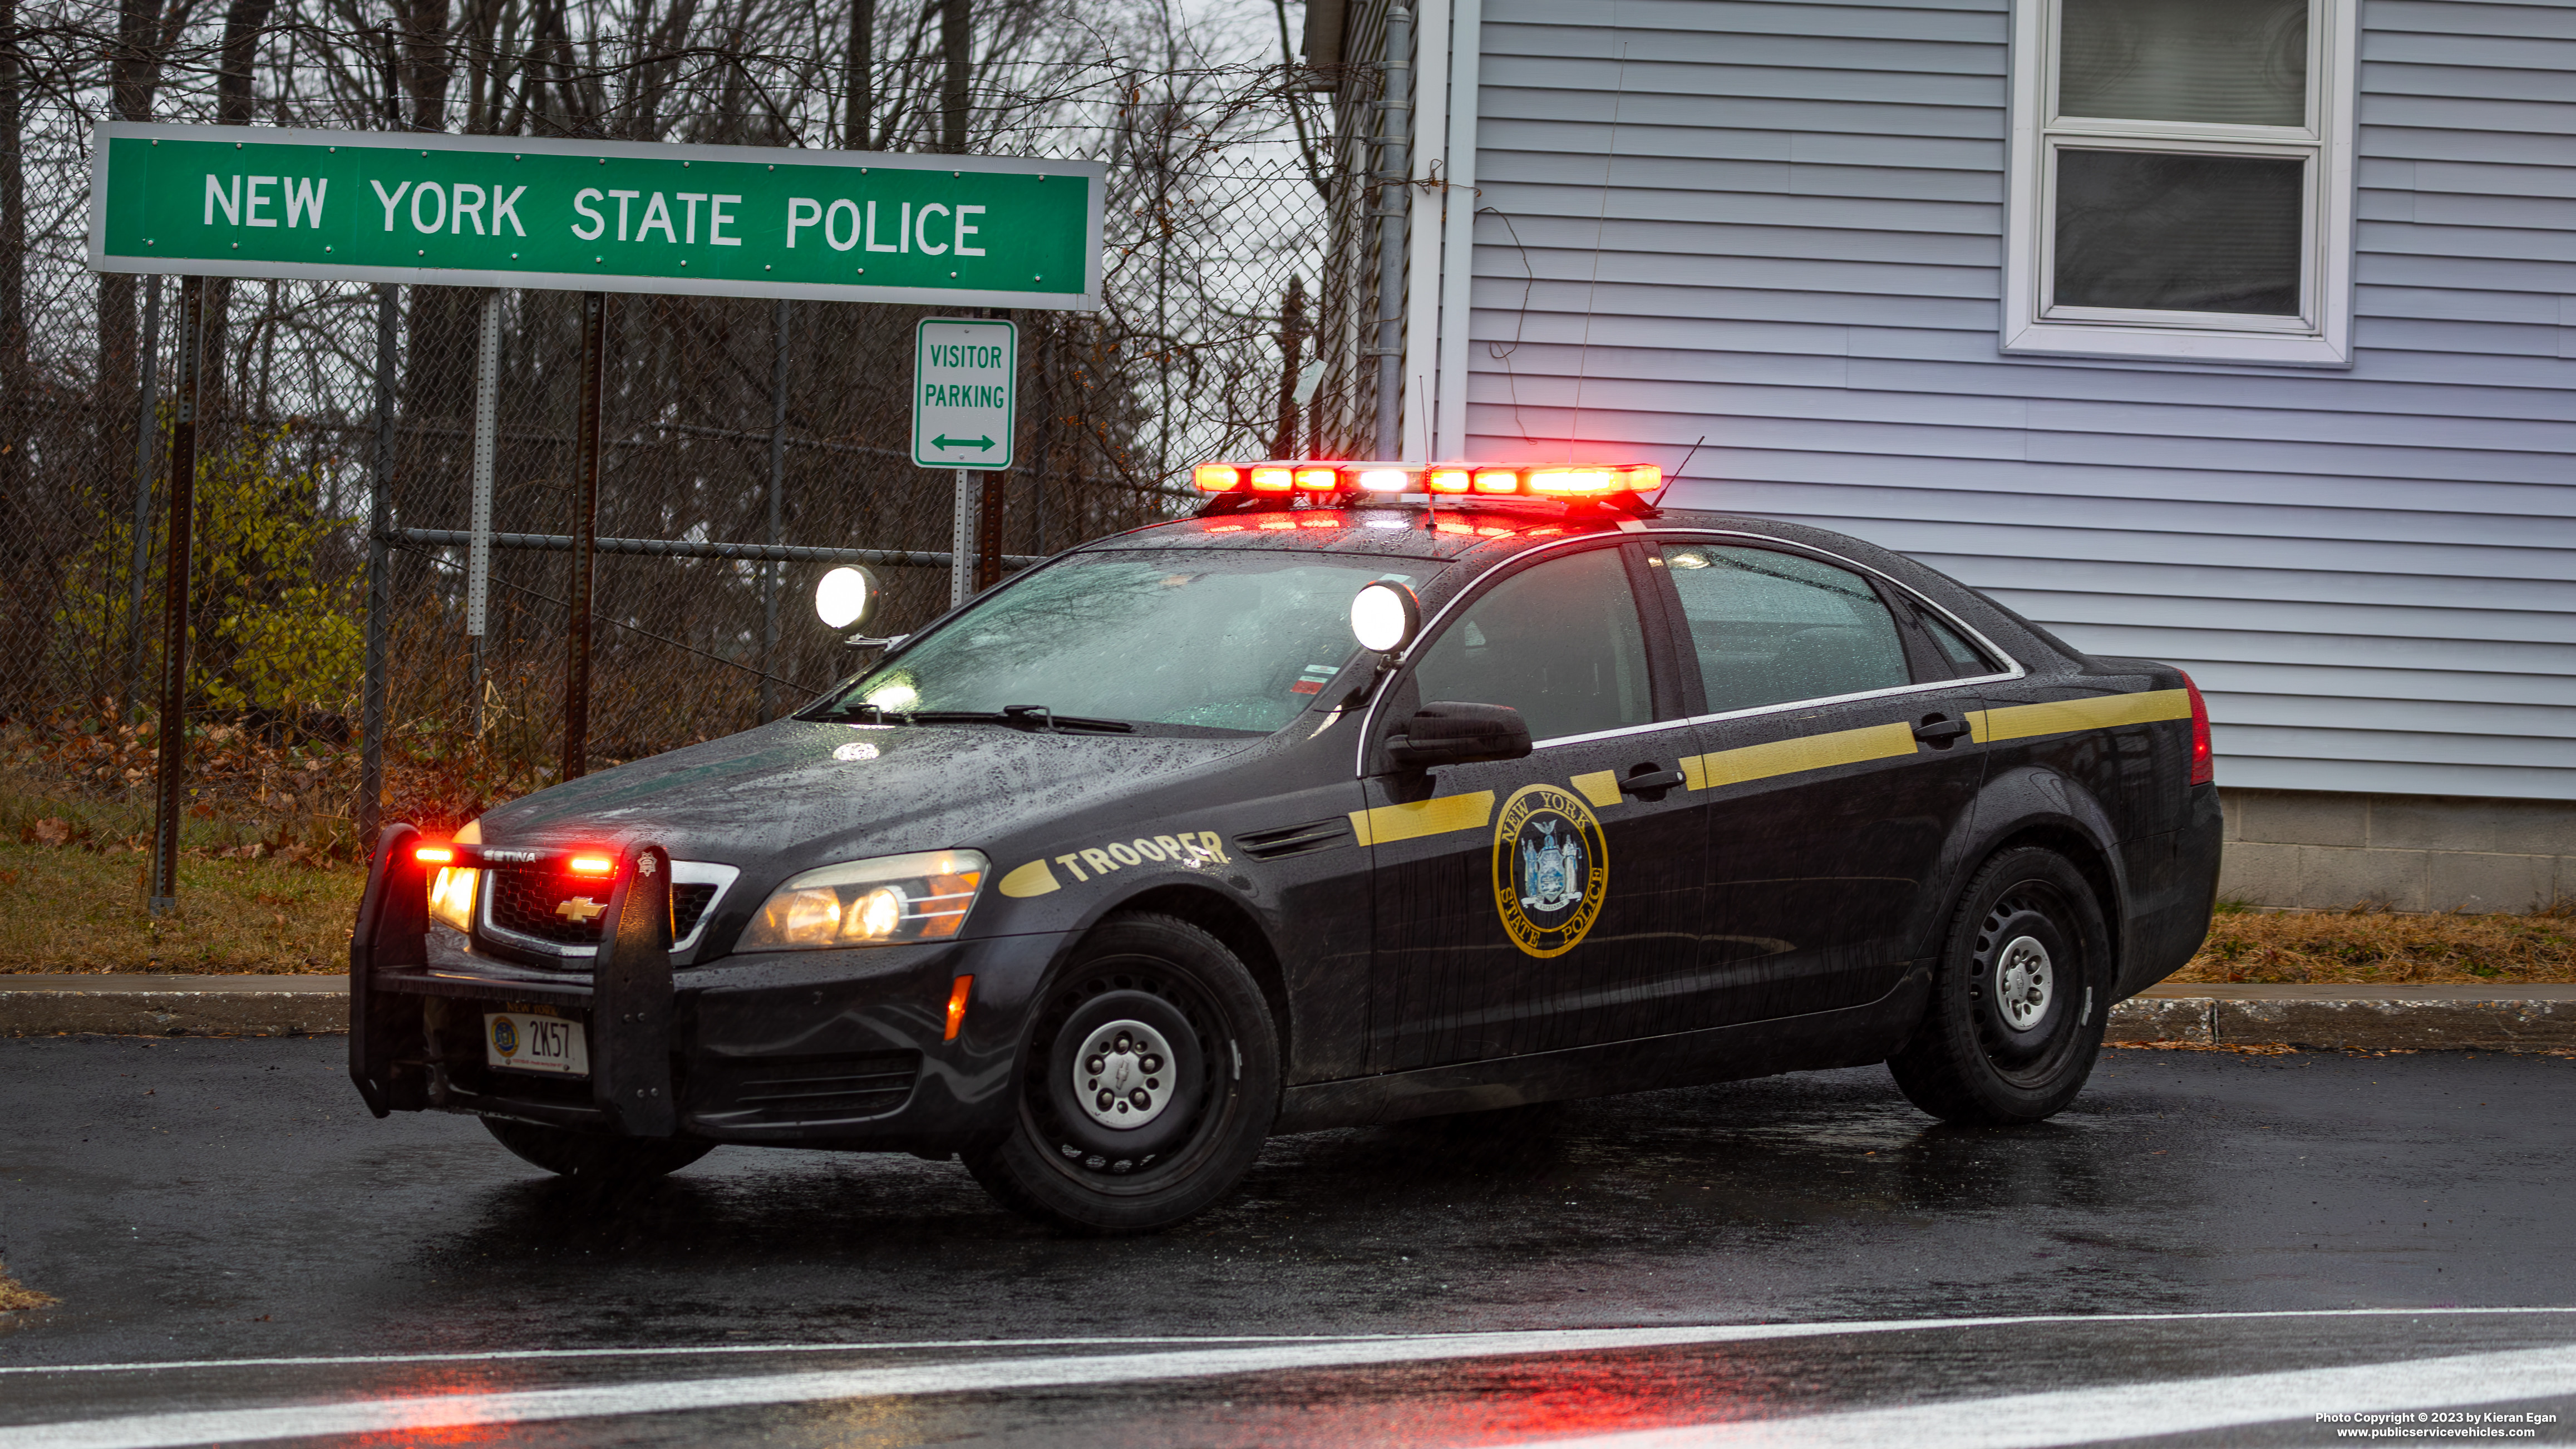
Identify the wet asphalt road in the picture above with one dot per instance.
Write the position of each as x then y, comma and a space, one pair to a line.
208, 1202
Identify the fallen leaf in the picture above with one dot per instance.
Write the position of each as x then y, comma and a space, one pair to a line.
51, 830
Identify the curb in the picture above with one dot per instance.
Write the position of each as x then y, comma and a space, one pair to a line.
174, 1005
2358, 1018
2364, 1018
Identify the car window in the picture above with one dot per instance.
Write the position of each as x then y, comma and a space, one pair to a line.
1772, 628
1558, 641
1213, 639
1966, 660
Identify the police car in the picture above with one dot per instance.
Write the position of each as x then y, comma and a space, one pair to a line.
1370, 793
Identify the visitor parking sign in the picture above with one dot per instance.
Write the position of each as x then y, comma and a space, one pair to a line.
964, 385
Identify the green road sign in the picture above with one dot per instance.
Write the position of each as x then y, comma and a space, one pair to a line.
965, 379
595, 216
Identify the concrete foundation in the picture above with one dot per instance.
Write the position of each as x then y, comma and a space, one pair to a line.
2325, 851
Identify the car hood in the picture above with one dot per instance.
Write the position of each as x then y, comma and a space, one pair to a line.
797, 793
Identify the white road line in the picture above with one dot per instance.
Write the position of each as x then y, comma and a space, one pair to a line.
2480, 1377
1713, 1333
2138, 1411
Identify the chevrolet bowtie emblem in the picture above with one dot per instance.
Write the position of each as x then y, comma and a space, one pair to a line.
581, 910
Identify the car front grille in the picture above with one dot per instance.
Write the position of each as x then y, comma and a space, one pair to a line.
531, 902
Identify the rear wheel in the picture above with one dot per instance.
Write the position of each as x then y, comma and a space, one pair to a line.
1148, 1083
590, 1158
2018, 1000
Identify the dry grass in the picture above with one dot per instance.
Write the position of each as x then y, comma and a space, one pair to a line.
16, 1296
267, 874
2379, 947
72, 910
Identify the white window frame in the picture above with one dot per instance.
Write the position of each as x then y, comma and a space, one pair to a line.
2321, 336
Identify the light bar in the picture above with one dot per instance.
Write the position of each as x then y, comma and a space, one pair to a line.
1292, 476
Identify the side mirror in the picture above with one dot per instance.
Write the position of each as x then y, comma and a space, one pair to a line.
1459, 734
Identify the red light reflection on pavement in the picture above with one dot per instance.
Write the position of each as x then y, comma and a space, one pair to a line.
1460, 1402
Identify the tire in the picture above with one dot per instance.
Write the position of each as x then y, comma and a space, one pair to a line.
2019, 997
593, 1159
1168, 1002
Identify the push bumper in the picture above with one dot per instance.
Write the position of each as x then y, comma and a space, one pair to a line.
790, 1049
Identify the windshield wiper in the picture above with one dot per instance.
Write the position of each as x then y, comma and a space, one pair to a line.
1023, 716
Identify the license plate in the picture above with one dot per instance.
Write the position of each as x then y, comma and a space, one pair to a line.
535, 1043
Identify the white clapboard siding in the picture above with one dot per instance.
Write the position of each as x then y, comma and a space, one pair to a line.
1777, 226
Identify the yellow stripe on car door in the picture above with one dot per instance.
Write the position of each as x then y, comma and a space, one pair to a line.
1791, 757
2067, 716
1388, 824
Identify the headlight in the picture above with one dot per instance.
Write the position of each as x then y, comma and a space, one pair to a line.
883, 902
451, 897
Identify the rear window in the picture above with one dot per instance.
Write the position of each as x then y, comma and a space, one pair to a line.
1774, 628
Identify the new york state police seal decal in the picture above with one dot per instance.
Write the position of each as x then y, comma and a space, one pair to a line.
1551, 868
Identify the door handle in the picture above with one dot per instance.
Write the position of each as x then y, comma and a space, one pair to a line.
1939, 730
1648, 781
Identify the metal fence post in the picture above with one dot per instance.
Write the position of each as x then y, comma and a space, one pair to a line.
380, 584
163, 895
585, 509
774, 576
478, 554
1394, 176
147, 434
961, 541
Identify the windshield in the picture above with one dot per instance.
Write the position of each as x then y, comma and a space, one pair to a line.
1216, 640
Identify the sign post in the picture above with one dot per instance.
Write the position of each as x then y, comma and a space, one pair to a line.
965, 393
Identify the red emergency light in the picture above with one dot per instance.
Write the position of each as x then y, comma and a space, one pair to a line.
1479, 480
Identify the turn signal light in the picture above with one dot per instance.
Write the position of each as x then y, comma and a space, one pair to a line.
957, 995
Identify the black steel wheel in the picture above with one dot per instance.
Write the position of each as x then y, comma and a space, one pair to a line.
2019, 997
591, 1158
1147, 1084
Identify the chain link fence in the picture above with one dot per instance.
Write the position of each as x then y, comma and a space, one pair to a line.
1228, 329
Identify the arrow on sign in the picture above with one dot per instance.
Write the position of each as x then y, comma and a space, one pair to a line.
978, 444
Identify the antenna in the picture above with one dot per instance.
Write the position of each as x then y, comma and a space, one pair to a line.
1600, 224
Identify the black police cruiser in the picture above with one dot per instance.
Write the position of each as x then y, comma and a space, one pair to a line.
1370, 793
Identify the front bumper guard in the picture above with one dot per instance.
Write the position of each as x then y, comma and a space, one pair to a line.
631, 1005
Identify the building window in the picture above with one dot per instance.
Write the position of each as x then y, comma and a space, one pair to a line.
2182, 180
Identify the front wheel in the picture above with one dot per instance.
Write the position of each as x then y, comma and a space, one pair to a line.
1147, 1084
589, 1157
2019, 997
